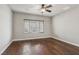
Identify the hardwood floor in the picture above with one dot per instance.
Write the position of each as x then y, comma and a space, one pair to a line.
48, 46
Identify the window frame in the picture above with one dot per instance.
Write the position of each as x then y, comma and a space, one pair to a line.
29, 25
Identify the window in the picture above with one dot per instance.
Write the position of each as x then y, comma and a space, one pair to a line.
34, 26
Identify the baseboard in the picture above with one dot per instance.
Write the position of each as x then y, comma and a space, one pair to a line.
5, 47
65, 41
48, 37
30, 38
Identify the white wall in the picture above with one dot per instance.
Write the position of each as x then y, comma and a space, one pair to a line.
5, 26
18, 26
66, 26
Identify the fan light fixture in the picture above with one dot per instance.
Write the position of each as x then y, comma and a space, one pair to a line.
46, 8
42, 10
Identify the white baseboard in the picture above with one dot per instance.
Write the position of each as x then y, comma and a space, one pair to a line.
5, 47
49, 37
65, 41
30, 38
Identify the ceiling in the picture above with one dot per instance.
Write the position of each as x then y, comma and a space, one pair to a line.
35, 8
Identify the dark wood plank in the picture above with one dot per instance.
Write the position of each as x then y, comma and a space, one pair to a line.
47, 46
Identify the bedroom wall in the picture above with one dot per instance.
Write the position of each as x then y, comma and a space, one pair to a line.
5, 26
18, 26
65, 26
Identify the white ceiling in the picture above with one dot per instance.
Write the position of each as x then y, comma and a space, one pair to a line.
35, 8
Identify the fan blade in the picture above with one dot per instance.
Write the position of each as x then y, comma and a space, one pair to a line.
43, 5
49, 6
48, 10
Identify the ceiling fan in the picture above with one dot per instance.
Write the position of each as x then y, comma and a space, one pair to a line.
46, 8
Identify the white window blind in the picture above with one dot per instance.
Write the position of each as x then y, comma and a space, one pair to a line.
34, 26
